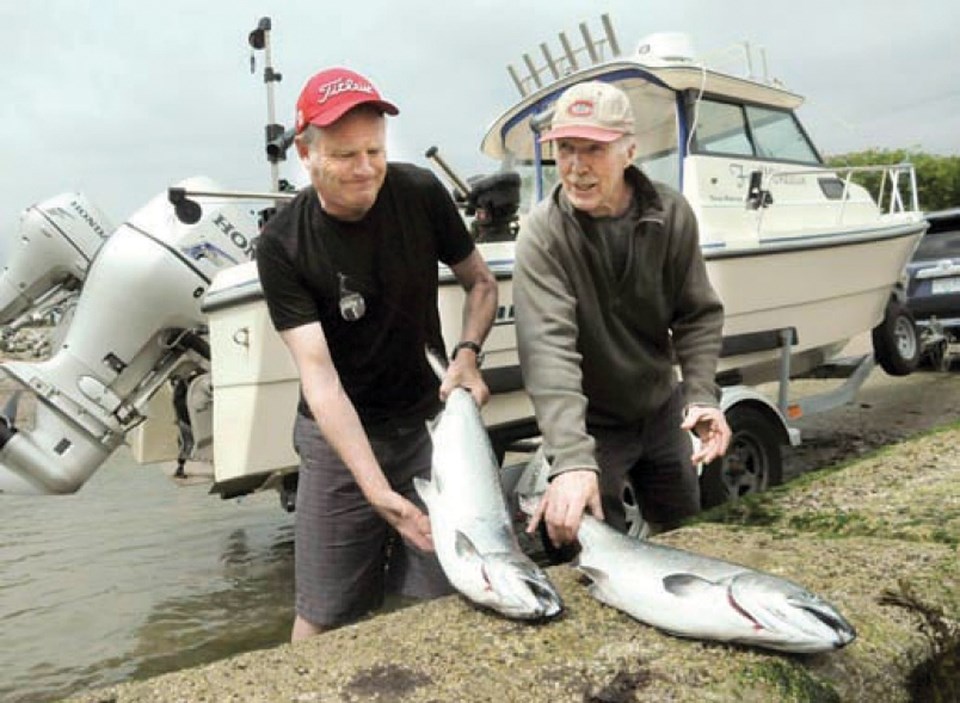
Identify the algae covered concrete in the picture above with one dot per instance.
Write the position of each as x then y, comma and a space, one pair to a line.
877, 538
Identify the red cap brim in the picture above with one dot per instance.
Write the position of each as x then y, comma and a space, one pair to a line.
328, 117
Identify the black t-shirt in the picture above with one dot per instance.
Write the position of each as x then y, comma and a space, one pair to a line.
309, 261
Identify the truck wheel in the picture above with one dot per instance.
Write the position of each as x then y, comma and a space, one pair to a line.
896, 342
753, 462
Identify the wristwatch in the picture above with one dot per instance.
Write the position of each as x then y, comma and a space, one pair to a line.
472, 346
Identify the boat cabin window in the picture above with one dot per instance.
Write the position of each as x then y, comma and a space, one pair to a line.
751, 131
528, 181
721, 129
778, 136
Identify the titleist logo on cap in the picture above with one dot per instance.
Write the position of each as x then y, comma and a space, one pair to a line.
342, 85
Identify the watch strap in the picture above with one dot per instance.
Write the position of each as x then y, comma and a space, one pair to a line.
472, 346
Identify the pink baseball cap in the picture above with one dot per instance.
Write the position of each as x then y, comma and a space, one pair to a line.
330, 94
592, 110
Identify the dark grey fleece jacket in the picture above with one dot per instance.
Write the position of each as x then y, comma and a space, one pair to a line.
600, 352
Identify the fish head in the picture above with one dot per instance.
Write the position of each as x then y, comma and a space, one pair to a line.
518, 588
786, 616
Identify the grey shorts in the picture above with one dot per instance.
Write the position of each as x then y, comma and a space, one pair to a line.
656, 454
346, 556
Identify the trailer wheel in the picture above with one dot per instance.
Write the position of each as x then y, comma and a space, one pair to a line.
896, 342
637, 527
753, 462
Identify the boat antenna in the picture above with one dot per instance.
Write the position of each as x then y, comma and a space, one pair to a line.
277, 139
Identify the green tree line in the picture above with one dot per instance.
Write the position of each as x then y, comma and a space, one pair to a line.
938, 177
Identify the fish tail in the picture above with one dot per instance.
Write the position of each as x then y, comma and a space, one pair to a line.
436, 363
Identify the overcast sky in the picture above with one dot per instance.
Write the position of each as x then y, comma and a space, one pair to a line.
121, 99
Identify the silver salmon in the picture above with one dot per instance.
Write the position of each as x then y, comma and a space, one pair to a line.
691, 595
471, 526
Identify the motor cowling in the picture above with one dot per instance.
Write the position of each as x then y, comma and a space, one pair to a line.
494, 201
134, 325
57, 240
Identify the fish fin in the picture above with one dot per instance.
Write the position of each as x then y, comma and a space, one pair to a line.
594, 574
425, 489
464, 546
685, 584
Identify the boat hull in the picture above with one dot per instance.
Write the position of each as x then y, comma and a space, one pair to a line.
824, 291
821, 290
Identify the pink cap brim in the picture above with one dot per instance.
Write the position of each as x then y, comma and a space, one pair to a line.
596, 134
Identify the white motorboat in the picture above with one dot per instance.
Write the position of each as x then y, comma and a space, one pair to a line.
802, 255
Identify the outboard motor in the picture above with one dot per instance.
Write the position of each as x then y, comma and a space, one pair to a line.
58, 239
137, 322
494, 200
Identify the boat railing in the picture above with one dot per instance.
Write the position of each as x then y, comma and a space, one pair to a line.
893, 188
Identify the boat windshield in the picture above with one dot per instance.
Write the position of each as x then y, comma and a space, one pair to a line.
729, 129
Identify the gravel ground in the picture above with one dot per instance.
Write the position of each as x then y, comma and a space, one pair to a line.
887, 410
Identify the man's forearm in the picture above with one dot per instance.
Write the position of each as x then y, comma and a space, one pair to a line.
340, 425
479, 311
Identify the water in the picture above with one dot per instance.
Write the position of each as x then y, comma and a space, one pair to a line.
135, 576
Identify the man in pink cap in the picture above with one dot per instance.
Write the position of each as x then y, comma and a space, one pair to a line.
610, 291
349, 273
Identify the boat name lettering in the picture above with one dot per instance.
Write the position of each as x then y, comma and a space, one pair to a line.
787, 179
236, 236
770, 173
88, 218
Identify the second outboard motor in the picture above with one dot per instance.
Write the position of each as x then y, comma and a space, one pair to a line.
137, 321
494, 201
58, 239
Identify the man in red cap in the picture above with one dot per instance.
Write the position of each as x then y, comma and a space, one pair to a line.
349, 273
610, 291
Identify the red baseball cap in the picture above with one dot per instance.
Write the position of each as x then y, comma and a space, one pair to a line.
330, 94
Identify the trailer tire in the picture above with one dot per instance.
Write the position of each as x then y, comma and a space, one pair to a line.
896, 341
753, 462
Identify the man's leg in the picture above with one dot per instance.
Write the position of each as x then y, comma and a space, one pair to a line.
302, 629
617, 451
665, 477
339, 541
